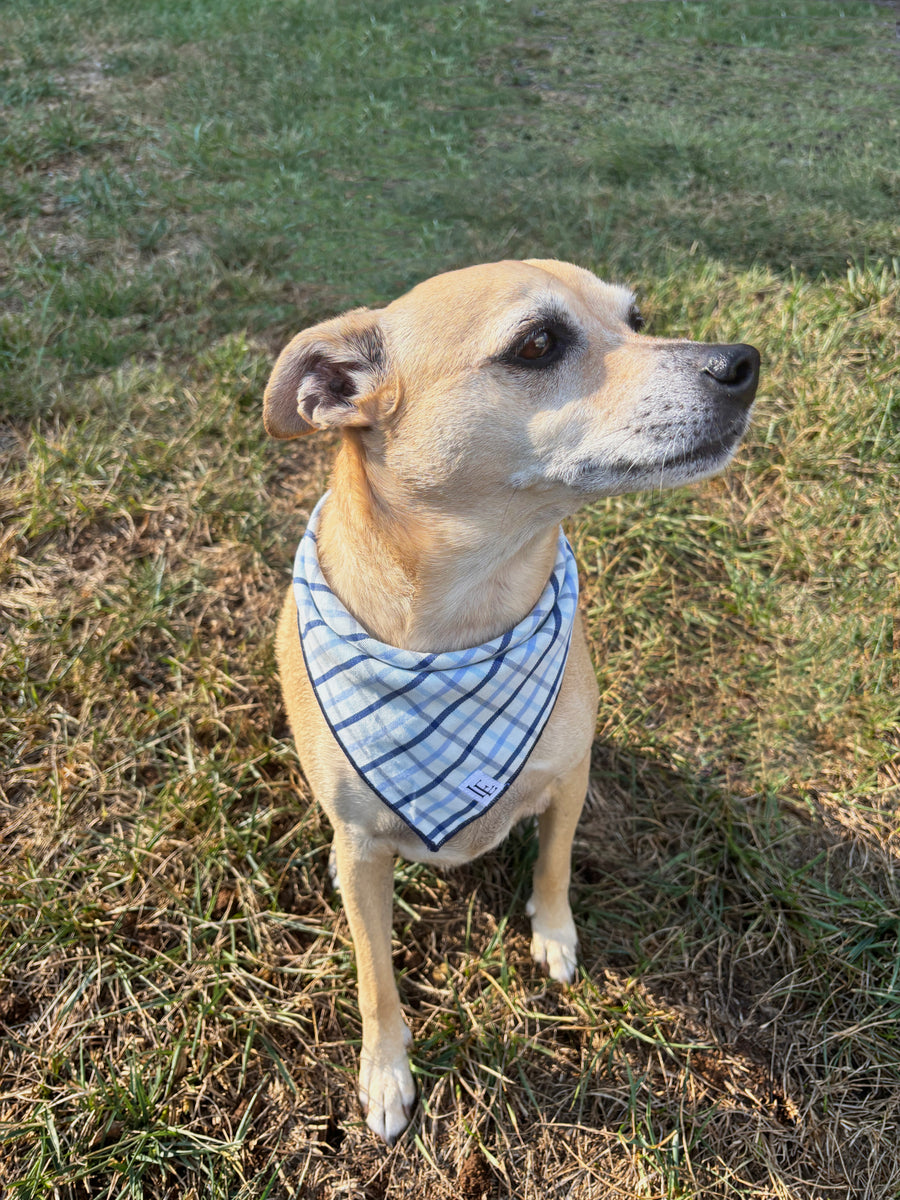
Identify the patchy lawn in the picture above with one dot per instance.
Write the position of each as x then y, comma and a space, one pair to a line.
182, 187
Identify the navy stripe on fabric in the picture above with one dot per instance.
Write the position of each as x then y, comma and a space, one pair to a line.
550, 701
429, 842
339, 669
438, 720
458, 820
436, 779
381, 701
430, 728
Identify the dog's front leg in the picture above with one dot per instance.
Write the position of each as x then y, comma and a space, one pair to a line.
554, 942
386, 1089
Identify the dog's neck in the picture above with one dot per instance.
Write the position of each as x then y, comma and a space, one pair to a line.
418, 578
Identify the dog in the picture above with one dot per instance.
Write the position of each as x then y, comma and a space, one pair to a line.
477, 411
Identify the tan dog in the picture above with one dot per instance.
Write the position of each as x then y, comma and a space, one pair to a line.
478, 410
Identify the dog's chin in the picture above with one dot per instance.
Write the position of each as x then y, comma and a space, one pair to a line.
666, 471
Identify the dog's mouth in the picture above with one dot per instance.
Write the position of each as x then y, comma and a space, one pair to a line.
701, 453
668, 470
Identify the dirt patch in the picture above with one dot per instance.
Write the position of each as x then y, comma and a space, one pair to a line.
477, 1180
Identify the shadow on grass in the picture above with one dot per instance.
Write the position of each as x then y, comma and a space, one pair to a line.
732, 951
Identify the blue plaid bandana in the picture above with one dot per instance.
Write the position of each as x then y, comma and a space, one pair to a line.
438, 737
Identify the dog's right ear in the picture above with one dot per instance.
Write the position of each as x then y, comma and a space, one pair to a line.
327, 377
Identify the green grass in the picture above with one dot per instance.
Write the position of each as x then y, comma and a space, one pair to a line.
181, 187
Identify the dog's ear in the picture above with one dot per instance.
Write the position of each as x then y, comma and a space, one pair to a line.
329, 376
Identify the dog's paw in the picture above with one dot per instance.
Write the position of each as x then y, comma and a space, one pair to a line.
554, 945
387, 1093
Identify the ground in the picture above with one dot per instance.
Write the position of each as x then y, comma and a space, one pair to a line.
184, 187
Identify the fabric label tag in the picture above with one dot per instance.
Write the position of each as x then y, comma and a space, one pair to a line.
480, 788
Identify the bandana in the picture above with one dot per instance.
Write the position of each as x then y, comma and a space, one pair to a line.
438, 737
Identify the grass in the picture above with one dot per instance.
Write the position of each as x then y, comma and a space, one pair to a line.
183, 186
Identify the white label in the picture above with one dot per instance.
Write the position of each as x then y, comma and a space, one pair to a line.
480, 788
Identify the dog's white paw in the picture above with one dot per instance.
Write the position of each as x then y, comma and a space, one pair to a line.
554, 945
387, 1092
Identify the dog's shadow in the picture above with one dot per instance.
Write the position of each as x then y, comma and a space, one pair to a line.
696, 979
708, 984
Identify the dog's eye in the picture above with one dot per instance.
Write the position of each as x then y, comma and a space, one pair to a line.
634, 319
538, 344
545, 341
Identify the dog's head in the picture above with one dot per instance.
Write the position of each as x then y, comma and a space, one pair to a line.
519, 377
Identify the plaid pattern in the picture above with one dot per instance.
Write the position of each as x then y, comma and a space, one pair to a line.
438, 737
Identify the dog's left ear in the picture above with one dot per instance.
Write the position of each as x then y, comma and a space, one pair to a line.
328, 376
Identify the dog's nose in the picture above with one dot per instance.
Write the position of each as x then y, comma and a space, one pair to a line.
734, 368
